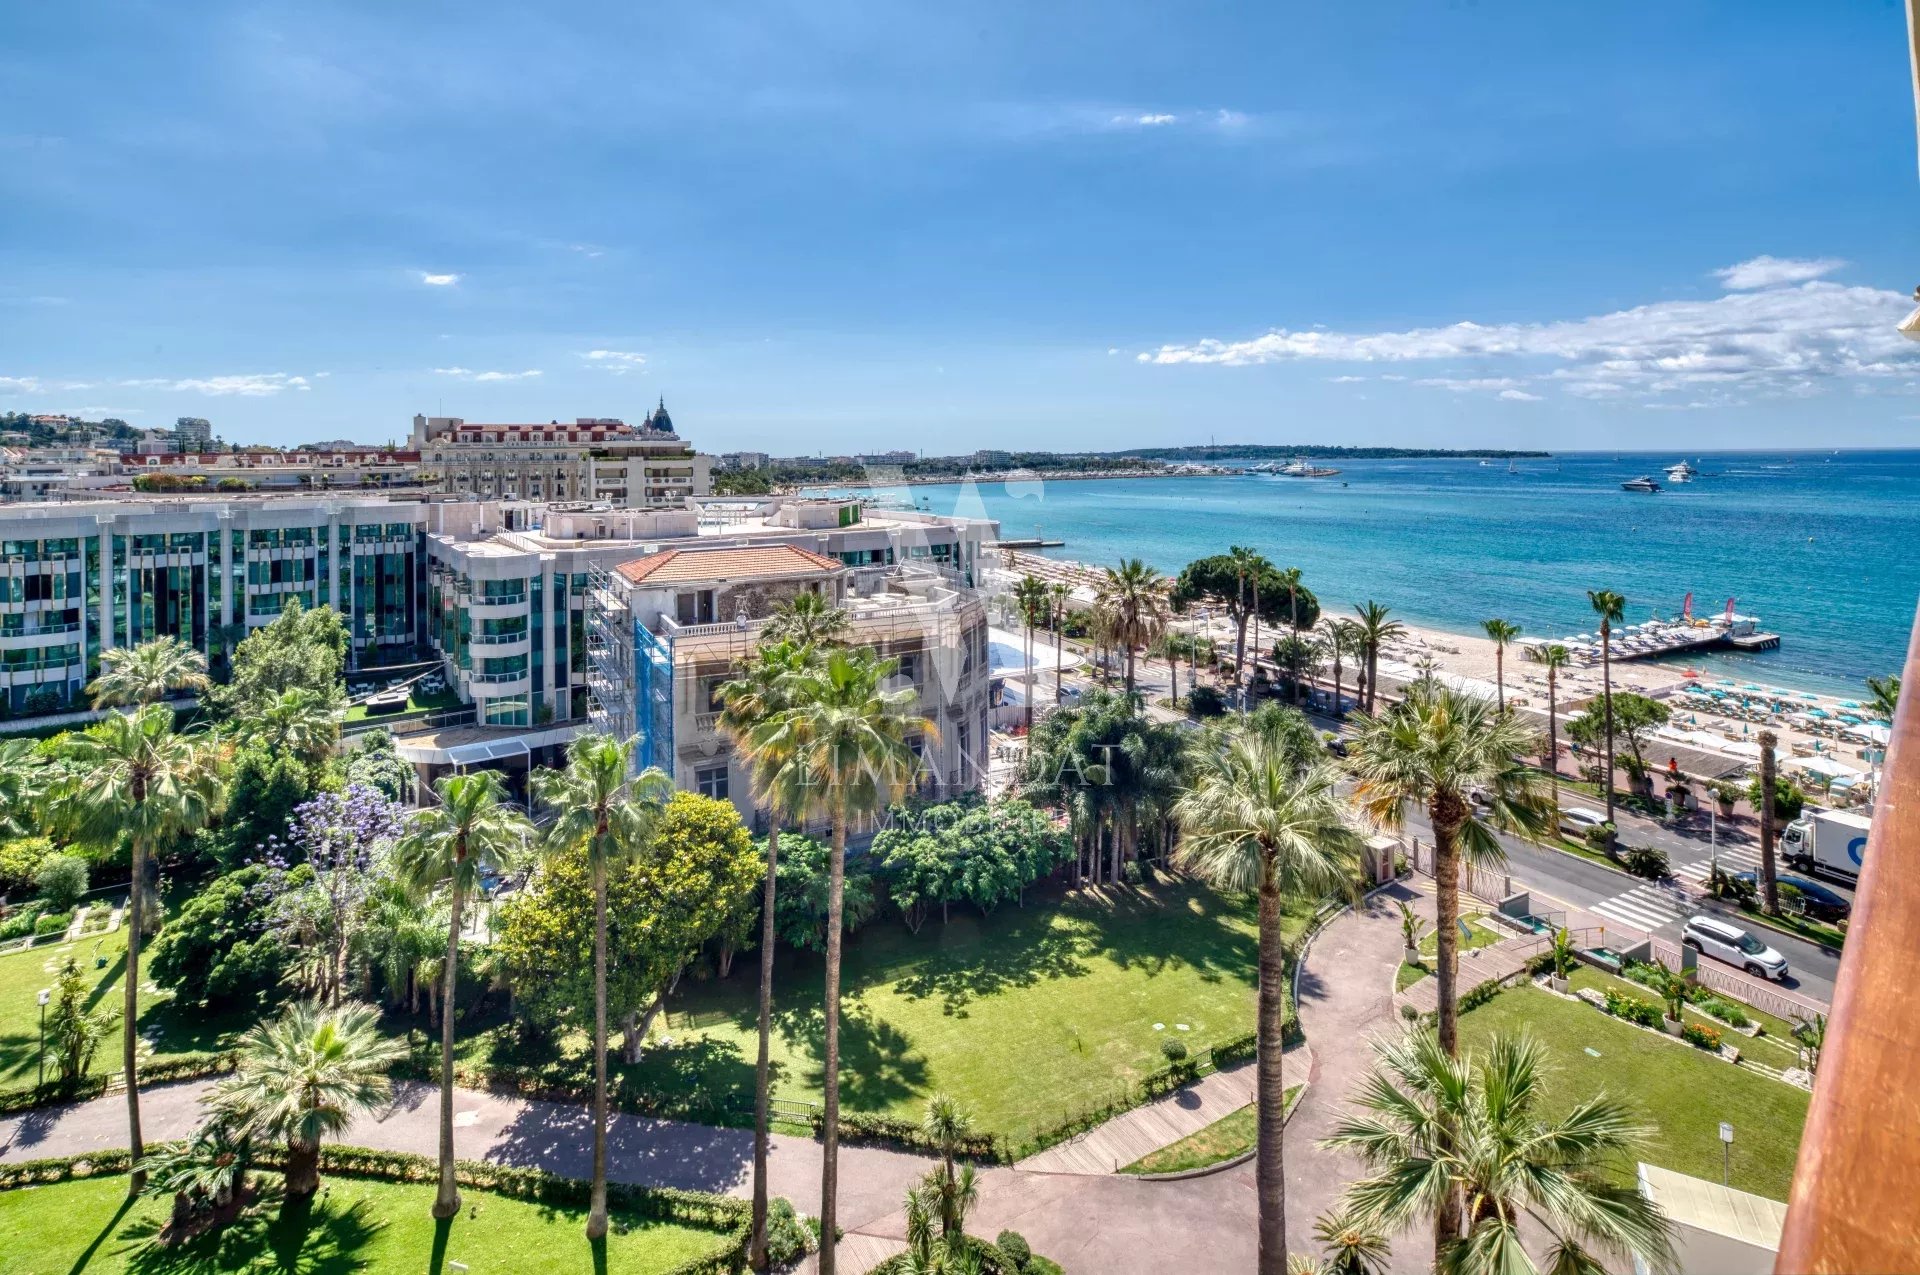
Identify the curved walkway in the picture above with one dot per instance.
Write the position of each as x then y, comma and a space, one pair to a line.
1088, 1221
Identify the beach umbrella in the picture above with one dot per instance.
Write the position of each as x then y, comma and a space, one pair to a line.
1849, 719
1816, 712
1809, 695
1748, 686
1849, 703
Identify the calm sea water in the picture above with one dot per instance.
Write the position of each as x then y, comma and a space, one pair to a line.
1823, 547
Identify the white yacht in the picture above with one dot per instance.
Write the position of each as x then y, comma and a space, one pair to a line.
1681, 472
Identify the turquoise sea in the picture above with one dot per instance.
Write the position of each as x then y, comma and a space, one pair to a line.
1824, 547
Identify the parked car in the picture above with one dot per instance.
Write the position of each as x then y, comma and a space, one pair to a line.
1713, 937
1577, 821
1820, 902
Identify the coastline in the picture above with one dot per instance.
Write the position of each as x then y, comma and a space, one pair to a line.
1000, 476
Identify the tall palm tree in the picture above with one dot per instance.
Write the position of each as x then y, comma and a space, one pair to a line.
298, 721
1769, 821
1374, 630
851, 748
1248, 566
1059, 593
131, 775
808, 619
598, 803
1885, 694
1611, 608
1435, 1130
1555, 657
446, 845
1342, 641
1030, 596
1137, 598
304, 1076
148, 672
764, 689
1502, 632
1433, 749
1259, 818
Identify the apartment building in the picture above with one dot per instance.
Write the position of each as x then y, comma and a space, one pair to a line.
83, 577
666, 630
508, 604
600, 460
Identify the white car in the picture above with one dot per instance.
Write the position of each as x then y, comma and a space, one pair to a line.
1711, 936
1577, 820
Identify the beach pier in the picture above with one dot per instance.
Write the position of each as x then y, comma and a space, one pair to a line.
1662, 639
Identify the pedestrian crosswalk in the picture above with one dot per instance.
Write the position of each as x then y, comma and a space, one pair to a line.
1732, 859
1646, 907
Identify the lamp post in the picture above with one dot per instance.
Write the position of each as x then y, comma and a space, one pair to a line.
1726, 1153
46, 994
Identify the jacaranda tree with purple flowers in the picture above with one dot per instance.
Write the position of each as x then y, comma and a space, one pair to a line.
344, 838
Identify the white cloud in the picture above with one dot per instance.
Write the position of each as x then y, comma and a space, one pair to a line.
468, 374
1345, 380
438, 280
1771, 272
252, 385
587, 249
1788, 338
1229, 119
1470, 385
35, 385
1150, 120
1519, 396
619, 362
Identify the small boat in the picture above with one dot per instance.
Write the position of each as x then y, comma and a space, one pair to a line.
1681, 473
1640, 484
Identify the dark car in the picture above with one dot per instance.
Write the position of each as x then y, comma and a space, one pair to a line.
1817, 900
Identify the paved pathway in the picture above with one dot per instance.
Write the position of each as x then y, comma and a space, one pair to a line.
1163, 1122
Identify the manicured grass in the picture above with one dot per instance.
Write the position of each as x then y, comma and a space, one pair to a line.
416, 702
1682, 1093
1407, 975
1027, 1016
1831, 936
1231, 1135
1483, 935
165, 1030
355, 1224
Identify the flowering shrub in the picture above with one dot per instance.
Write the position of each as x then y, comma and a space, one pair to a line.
1633, 1009
1702, 1035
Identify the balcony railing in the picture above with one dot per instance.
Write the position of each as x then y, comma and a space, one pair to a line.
498, 639
1852, 1203
498, 679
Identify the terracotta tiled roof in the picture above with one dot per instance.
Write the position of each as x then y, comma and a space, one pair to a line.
686, 566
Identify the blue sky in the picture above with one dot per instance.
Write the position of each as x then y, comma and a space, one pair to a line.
834, 227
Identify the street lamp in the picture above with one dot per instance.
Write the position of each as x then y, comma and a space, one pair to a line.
46, 994
1726, 1153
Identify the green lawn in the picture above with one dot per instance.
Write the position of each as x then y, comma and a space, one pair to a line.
1774, 1046
1683, 1093
1484, 935
1231, 1135
416, 702
355, 1224
1027, 1016
166, 1030
1407, 975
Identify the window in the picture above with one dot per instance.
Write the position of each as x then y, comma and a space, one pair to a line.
910, 666
711, 781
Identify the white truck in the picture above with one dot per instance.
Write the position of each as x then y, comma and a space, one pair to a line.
1831, 841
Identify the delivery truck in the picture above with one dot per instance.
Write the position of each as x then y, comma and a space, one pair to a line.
1831, 841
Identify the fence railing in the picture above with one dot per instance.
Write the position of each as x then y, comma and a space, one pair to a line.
1777, 1001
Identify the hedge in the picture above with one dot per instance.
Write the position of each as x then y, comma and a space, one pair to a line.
156, 1071
731, 1218
857, 1127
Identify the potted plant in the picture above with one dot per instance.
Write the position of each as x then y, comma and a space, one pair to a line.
1563, 958
1673, 991
1411, 929
1724, 795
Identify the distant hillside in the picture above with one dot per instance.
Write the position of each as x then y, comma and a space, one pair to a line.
1313, 451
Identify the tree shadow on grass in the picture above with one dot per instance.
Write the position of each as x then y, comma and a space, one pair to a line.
957, 978
311, 1236
1176, 927
81, 1262
879, 1065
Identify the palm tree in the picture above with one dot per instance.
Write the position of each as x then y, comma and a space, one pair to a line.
1374, 630
807, 619
1611, 608
1352, 1249
851, 750
947, 1125
1059, 593
148, 672
763, 690
1342, 640
447, 845
1030, 596
24, 777
1248, 566
1502, 632
1434, 1130
132, 776
1297, 657
1555, 657
400, 934
1433, 749
597, 803
1260, 818
1885, 694
1769, 820
304, 1076
1137, 598
298, 721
